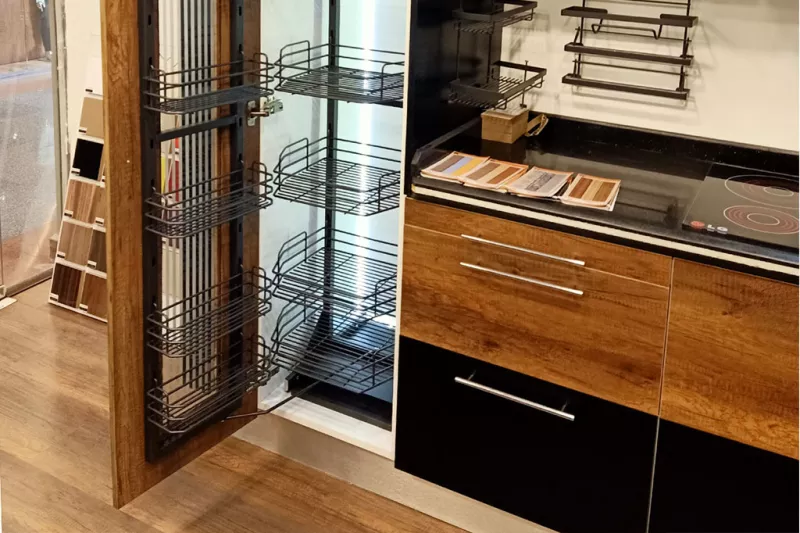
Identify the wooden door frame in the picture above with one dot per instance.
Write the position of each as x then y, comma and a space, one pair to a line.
131, 473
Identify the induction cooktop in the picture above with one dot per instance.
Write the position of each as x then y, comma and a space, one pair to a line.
746, 204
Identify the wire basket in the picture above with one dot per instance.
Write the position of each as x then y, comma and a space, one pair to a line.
345, 176
198, 321
497, 89
361, 273
333, 345
339, 72
196, 208
203, 392
190, 90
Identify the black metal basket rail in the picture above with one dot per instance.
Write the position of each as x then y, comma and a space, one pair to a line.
196, 322
333, 346
499, 18
196, 208
352, 177
204, 392
361, 273
190, 90
340, 72
497, 90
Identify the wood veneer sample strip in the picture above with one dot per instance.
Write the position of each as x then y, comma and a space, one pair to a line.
732, 363
94, 296
82, 202
91, 123
74, 243
97, 251
607, 342
88, 159
599, 255
66, 284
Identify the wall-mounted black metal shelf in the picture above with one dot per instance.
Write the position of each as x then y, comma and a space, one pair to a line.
497, 89
632, 55
499, 18
190, 90
199, 320
198, 392
676, 94
345, 176
339, 72
349, 270
636, 26
596, 13
208, 204
333, 345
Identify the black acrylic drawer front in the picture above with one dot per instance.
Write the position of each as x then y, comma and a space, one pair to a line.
711, 484
507, 440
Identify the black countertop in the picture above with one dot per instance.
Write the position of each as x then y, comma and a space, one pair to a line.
659, 179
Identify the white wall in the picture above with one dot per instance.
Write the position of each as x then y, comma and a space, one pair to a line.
83, 51
744, 82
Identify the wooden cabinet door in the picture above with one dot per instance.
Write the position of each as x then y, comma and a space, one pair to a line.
502, 438
712, 484
731, 365
132, 473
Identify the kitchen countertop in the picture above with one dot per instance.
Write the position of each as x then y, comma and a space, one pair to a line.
658, 187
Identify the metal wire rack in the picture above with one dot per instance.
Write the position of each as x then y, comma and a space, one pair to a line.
196, 322
361, 273
339, 72
499, 18
333, 345
497, 90
207, 204
352, 177
202, 391
186, 91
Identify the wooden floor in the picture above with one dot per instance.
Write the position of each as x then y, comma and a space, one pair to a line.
55, 454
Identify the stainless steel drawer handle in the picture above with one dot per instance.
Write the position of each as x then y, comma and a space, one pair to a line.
576, 262
576, 292
517, 399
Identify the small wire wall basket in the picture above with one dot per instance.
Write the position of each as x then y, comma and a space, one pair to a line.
361, 275
340, 72
190, 90
349, 177
201, 206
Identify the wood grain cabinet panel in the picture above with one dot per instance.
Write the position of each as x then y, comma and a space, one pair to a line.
598, 255
731, 366
607, 342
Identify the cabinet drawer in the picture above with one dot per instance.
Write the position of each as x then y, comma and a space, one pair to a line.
731, 367
707, 483
596, 255
583, 329
502, 438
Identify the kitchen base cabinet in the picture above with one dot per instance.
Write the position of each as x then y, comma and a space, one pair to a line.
511, 441
705, 483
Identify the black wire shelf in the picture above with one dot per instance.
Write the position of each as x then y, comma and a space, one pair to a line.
340, 72
361, 274
186, 91
349, 177
196, 322
204, 391
199, 207
333, 345
497, 89
499, 18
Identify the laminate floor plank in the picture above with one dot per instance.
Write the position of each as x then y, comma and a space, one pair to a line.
55, 465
